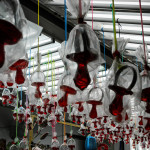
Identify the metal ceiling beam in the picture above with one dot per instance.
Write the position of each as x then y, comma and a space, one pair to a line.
122, 31
121, 10
104, 8
135, 41
109, 20
106, 5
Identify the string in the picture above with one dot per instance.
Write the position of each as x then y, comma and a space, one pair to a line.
47, 71
70, 116
142, 31
92, 12
52, 73
80, 9
38, 56
26, 131
65, 6
21, 96
30, 63
64, 125
17, 115
104, 48
114, 24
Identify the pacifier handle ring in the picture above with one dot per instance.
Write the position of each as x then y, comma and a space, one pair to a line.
134, 76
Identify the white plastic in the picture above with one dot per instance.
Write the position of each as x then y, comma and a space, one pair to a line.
78, 8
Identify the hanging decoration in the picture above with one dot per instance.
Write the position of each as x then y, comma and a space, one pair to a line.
117, 109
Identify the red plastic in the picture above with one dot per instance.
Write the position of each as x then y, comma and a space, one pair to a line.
18, 66
116, 107
9, 84
63, 102
55, 148
12, 97
105, 119
46, 101
32, 108
141, 121
73, 118
99, 120
147, 127
95, 124
6, 98
103, 146
9, 35
80, 107
57, 117
30, 126
20, 116
2, 85
93, 113
78, 119
38, 93
145, 97
50, 108
71, 147
113, 124
82, 78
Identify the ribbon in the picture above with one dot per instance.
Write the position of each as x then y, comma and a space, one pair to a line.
142, 31
21, 96
92, 12
52, 73
70, 116
30, 63
80, 9
47, 71
104, 48
65, 6
114, 24
17, 116
64, 127
38, 57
